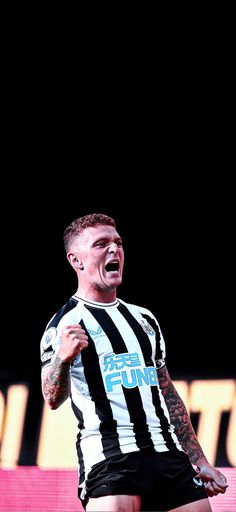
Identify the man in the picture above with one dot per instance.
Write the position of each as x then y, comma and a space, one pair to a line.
136, 447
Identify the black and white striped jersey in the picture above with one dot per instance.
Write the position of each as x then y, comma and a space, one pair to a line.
115, 393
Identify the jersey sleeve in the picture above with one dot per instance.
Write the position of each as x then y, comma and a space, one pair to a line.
160, 348
160, 352
49, 346
151, 326
160, 357
51, 339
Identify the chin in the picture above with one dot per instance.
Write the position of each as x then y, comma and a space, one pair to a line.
115, 283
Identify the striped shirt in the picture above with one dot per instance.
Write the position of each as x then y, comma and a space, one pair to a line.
115, 394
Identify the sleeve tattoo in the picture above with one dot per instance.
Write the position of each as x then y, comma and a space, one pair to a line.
56, 383
180, 418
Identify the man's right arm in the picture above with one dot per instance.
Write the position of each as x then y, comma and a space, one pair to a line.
56, 377
56, 383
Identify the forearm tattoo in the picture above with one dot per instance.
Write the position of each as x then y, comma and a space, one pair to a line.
56, 386
180, 418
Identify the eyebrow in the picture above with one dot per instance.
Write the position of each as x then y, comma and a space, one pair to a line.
107, 239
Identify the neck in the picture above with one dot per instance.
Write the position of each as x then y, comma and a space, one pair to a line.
97, 295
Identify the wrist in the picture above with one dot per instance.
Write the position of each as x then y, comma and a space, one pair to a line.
63, 360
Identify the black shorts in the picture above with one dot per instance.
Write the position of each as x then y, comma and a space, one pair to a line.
163, 480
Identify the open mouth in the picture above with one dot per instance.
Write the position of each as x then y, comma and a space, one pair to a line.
113, 266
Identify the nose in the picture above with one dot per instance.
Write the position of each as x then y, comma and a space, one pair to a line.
113, 247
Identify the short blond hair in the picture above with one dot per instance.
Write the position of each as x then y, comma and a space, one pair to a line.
78, 225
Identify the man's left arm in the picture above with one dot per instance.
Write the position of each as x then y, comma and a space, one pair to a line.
215, 481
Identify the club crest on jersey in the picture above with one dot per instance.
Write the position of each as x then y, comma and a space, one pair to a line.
147, 327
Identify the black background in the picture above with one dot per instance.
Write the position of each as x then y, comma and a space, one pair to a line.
178, 236
137, 124
164, 171
146, 138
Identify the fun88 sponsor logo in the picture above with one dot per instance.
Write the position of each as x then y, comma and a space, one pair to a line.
128, 374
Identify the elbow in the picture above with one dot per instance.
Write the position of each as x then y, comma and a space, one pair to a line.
53, 402
52, 405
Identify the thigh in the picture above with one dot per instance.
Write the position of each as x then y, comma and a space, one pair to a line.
195, 506
174, 487
118, 503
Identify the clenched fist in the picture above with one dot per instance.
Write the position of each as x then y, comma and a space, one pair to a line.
73, 340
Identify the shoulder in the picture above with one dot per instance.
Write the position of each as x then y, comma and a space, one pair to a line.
150, 325
134, 308
50, 341
63, 314
146, 318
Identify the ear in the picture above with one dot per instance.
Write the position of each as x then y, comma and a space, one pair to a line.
75, 261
